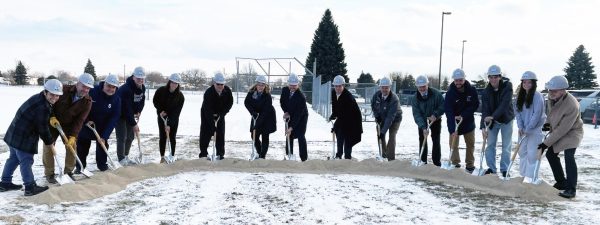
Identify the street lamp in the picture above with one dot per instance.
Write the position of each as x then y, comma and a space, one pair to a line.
441, 43
462, 55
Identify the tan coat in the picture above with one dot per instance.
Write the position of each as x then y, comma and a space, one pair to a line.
566, 125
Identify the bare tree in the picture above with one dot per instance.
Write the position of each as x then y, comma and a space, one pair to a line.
155, 78
195, 78
65, 77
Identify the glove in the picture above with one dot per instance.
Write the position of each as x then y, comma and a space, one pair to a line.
332, 130
54, 122
546, 127
332, 118
72, 141
378, 120
254, 114
215, 116
542, 146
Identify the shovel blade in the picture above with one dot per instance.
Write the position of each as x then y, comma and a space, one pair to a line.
380, 159
478, 172
417, 162
87, 173
169, 159
447, 165
62, 180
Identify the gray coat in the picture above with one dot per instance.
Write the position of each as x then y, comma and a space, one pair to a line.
386, 112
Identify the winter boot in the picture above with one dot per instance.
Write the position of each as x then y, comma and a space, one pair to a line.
470, 169
51, 179
489, 171
162, 160
504, 174
33, 189
561, 185
9, 186
569, 193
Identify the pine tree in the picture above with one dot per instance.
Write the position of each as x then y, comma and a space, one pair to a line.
580, 71
445, 84
364, 78
21, 77
89, 68
408, 82
328, 52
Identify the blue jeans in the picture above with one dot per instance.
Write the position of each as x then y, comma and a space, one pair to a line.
21, 159
490, 151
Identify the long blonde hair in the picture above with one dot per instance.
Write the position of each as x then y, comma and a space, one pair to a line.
266, 91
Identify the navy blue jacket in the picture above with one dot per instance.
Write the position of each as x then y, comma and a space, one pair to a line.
132, 100
498, 104
106, 111
349, 118
386, 112
263, 105
214, 103
296, 107
171, 103
31, 122
461, 104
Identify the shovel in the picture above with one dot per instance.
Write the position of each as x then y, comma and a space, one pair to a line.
512, 159
332, 157
169, 158
138, 160
536, 180
418, 161
112, 164
62, 179
289, 155
84, 171
448, 164
213, 157
254, 154
480, 171
380, 156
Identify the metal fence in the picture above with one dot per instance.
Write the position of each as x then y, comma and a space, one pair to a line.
321, 97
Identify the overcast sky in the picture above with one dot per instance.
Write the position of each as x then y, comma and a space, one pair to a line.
378, 36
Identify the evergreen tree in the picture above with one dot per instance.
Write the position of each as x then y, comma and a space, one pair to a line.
408, 83
364, 78
326, 49
445, 84
580, 71
89, 68
21, 77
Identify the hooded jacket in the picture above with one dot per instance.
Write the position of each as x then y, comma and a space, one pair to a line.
171, 103
498, 104
132, 100
461, 104
106, 111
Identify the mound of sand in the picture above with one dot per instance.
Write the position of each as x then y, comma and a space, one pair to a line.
110, 182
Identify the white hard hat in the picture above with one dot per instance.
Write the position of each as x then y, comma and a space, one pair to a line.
54, 86
87, 80
528, 75
421, 81
219, 78
494, 70
112, 80
339, 80
385, 82
293, 79
261, 79
175, 78
557, 83
139, 72
458, 74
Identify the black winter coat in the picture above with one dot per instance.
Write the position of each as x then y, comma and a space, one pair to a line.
498, 104
31, 122
171, 103
132, 100
263, 106
349, 118
214, 104
296, 107
106, 111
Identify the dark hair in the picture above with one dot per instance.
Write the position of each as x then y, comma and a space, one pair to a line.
524, 97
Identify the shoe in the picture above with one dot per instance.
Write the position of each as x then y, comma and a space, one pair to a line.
527, 180
77, 171
560, 185
33, 189
9, 186
70, 175
470, 169
131, 162
51, 179
489, 171
124, 162
504, 173
162, 160
569, 193
457, 166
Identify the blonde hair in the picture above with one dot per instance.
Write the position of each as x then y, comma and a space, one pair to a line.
266, 91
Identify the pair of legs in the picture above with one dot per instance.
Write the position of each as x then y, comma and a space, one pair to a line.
48, 159
162, 141
206, 135
125, 137
506, 130
343, 145
434, 130
389, 147
570, 182
469, 139
301, 146
528, 152
83, 149
261, 146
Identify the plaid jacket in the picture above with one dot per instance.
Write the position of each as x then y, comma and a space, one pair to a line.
31, 123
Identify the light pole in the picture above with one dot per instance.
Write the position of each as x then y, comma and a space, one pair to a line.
441, 43
462, 55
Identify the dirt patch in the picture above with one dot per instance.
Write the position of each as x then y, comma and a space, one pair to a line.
13, 220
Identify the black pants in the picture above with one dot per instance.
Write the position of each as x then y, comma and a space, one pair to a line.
206, 135
83, 149
570, 166
434, 131
125, 137
343, 145
301, 145
261, 147
162, 142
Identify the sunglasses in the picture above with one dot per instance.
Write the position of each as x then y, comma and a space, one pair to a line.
494, 76
220, 84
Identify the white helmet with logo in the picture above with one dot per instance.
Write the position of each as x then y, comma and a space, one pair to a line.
339, 80
87, 80
54, 86
528, 75
385, 82
219, 78
494, 70
293, 79
139, 72
261, 79
421, 81
458, 74
557, 83
112, 80
175, 78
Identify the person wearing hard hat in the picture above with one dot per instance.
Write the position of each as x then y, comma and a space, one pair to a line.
566, 131
105, 112
497, 109
31, 123
428, 107
388, 115
460, 103
347, 116
530, 115
70, 112
293, 104
259, 104
168, 101
218, 100
133, 99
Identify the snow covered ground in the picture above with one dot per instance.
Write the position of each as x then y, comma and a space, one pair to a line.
231, 195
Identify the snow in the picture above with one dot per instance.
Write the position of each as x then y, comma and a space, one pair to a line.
238, 194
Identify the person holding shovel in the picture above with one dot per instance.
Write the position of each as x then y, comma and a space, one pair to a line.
28, 126
133, 99
168, 101
530, 115
259, 104
293, 104
460, 104
70, 112
105, 112
347, 116
218, 100
566, 131
428, 107
385, 105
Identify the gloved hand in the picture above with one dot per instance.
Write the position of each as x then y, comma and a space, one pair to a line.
546, 127
215, 116
332, 130
54, 122
542, 146
378, 120
72, 141
254, 114
332, 118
